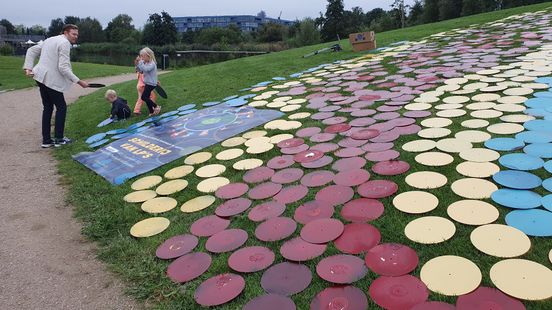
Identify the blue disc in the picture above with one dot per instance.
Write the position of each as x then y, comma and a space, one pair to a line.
538, 103
95, 138
279, 78
543, 94
548, 166
186, 107
116, 137
137, 130
230, 97
168, 119
547, 184
535, 222
116, 131
547, 202
544, 80
236, 102
542, 150
245, 89
517, 199
537, 112
187, 112
517, 179
248, 96
534, 136
295, 75
538, 125
211, 103
104, 141
137, 125
167, 114
504, 144
105, 122
521, 161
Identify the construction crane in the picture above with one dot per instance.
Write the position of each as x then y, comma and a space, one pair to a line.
280, 15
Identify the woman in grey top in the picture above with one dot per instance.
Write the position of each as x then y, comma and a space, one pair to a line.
148, 66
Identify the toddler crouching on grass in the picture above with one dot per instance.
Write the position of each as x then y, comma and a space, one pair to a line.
119, 106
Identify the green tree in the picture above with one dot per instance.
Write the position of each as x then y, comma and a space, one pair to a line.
308, 33
333, 21
416, 13
355, 20
10, 29
431, 11
470, 7
56, 25
449, 9
160, 29
119, 28
90, 31
37, 30
374, 15
217, 35
271, 32
169, 32
71, 20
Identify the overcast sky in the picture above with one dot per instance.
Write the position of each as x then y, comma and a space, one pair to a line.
32, 12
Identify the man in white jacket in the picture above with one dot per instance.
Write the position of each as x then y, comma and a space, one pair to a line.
54, 75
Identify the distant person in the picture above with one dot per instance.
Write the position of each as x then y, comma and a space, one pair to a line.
148, 66
140, 88
53, 75
119, 106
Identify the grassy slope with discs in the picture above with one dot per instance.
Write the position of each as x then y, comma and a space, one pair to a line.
107, 219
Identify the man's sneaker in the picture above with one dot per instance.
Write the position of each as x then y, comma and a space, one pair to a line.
63, 141
47, 145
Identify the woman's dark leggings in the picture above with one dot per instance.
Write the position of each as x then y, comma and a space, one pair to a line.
146, 97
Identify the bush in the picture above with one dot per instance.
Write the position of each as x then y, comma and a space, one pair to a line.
6, 50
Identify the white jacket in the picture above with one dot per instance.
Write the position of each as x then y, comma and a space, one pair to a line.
54, 66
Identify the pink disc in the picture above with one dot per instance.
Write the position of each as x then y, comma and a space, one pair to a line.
407, 130
209, 225
363, 113
341, 269
434, 305
266, 210
334, 120
377, 189
362, 121
325, 147
351, 177
280, 162
391, 167
291, 194
307, 156
340, 297
388, 136
259, 174
307, 132
317, 178
188, 267
382, 156
264, 190
226, 240
362, 210
176, 246
417, 114
294, 149
335, 194
349, 152
232, 190
292, 142
233, 207
351, 163
402, 292
288, 175
322, 137
251, 259
391, 259
322, 115
319, 163
286, 279
270, 302
337, 128
387, 116
275, 229
313, 210
488, 298
322, 230
377, 147
349, 142
299, 250
365, 134
219, 289
357, 238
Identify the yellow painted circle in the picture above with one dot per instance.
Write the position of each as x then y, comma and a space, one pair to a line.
297, 101
451, 113
415, 202
505, 128
149, 227
475, 123
260, 148
523, 279
432, 133
258, 140
482, 105
289, 125
453, 145
276, 104
233, 142
197, 204
475, 86
426, 180
140, 196
426, 99
417, 146
473, 136
159, 205
512, 100
436, 122
275, 124
451, 275
279, 138
486, 97
229, 154
198, 158
258, 103
210, 171
456, 99
479, 155
247, 164
171, 187
473, 212
449, 106
454, 81
430, 230
254, 134
488, 72
300, 115
179, 172
435, 159
212, 184
517, 118
493, 89
509, 107
477, 170
419, 106
486, 114
518, 91
290, 108
146, 182
500, 240
473, 188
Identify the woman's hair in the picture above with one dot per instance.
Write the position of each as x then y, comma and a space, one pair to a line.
149, 52
110, 93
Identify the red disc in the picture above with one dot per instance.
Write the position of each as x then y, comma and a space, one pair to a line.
337, 128
264, 190
350, 163
341, 269
294, 149
270, 302
280, 162
219, 289
188, 267
434, 305
233, 207
209, 225
322, 230
275, 229
257, 175
251, 259
362, 210
325, 147
340, 297
377, 147
391, 167
357, 238
292, 194
286, 279
292, 142
334, 120
226, 240
232, 190
325, 160
365, 134
307, 132
317, 178
307, 156
402, 292
176, 246
391, 259
266, 210
288, 175
313, 210
382, 156
322, 137
335, 194
352, 177
486, 298
377, 189
299, 250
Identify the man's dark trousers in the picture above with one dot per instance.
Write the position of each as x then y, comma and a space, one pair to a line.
51, 98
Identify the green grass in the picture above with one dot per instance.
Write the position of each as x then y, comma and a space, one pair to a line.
13, 77
107, 219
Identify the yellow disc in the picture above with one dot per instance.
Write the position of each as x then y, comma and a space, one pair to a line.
146, 182
300, 115
418, 106
430, 230
198, 158
486, 97
523, 78
448, 88
260, 148
523, 279
517, 118
171, 187
276, 104
212, 184
476, 86
482, 105
210, 171
258, 103
537, 86
451, 113
477, 170
415, 202
505, 128
254, 134
297, 101
258, 89
488, 72
159, 205
473, 212
229, 154
426, 99
456, 81
451, 275
500, 240
275, 124
479, 155
509, 107
518, 91
473, 136
486, 114
179, 172
417, 146
550, 256
493, 89
456, 99
426, 180
475, 123
473, 188
232, 142
149, 227
473, 77
512, 100
140, 196
436, 122
453, 145
279, 138
432, 133
290, 108
448, 106
247, 164
464, 91
197, 204
435, 159
258, 140
289, 125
